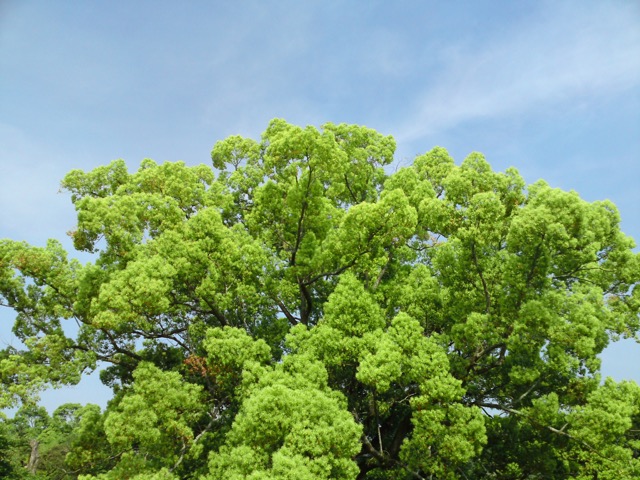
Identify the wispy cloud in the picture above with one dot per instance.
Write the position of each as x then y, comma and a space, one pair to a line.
560, 55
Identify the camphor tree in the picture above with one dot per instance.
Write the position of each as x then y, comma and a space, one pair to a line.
297, 313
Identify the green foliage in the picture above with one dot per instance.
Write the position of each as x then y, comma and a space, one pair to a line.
296, 312
606, 430
155, 416
89, 451
290, 425
36, 445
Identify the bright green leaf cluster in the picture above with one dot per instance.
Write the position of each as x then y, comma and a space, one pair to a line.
297, 312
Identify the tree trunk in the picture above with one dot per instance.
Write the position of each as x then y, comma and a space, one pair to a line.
34, 457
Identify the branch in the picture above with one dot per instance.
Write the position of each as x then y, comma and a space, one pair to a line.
307, 302
497, 406
305, 204
547, 427
334, 273
383, 271
347, 265
285, 311
378, 426
401, 430
119, 349
217, 313
166, 335
183, 451
534, 262
529, 390
478, 355
381, 457
298, 234
487, 298
99, 356
346, 182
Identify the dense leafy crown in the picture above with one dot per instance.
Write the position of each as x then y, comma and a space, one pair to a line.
297, 313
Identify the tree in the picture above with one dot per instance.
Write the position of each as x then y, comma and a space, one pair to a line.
9, 463
39, 442
295, 312
31, 423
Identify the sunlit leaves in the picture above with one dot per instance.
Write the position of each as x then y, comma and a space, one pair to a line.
298, 312
290, 424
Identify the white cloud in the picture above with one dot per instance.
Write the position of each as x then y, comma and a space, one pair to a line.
561, 54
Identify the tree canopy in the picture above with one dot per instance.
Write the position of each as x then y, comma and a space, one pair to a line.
296, 312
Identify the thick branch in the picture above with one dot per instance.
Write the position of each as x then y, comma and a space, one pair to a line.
217, 313
306, 303
119, 349
293, 320
385, 459
346, 182
400, 434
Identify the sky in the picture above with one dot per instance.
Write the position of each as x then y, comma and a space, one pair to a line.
549, 87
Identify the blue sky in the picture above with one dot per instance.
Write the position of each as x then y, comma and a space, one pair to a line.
550, 87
